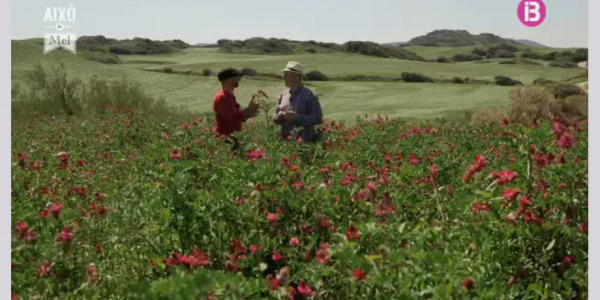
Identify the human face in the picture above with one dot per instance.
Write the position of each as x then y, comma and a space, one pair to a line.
291, 79
235, 81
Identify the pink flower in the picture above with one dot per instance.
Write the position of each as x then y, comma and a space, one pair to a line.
323, 253
43, 270
504, 177
294, 242
479, 206
175, 154
304, 289
44, 214
413, 160
254, 249
510, 194
272, 218
55, 209
372, 186
276, 256
65, 235
255, 154
100, 196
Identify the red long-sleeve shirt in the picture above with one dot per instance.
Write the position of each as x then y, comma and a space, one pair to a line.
228, 115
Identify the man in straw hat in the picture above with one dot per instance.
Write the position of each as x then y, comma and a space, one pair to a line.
228, 115
298, 105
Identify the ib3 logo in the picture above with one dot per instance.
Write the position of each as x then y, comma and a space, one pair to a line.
531, 12
59, 19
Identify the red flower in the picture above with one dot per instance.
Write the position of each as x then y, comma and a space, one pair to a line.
525, 202
566, 140
304, 289
255, 154
476, 167
306, 228
510, 194
352, 233
568, 261
298, 184
100, 196
55, 209
413, 160
272, 218
276, 256
65, 235
294, 242
323, 253
372, 186
175, 154
359, 274
185, 126
254, 249
479, 206
468, 283
504, 177
43, 270
24, 232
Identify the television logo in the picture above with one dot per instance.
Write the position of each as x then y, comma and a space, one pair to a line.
59, 39
531, 12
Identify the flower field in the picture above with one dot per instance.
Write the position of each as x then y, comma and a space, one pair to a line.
124, 206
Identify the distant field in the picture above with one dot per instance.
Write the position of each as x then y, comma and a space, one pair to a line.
340, 100
435, 52
340, 64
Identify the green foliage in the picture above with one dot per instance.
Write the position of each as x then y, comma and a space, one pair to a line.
506, 81
315, 75
419, 235
54, 93
415, 77
377, 50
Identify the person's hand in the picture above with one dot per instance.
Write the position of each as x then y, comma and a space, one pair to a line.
250, 112
254, 105
286, 116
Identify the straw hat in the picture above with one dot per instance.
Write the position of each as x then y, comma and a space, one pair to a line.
293, 67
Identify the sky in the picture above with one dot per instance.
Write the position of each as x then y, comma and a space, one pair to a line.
381, 21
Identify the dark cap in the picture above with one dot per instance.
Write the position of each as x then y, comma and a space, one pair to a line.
228, 73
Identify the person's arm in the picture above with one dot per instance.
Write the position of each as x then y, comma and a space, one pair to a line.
277, 111
313, 116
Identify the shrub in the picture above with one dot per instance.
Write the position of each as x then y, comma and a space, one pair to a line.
562, 91
506, 81
529, 103
479, 52
521, 61
457, 80
168, 70
311, 50
249, 72
315, 76
543, 82
442, 59
563, 64
206, 72
53, 93
415, 77
466, 57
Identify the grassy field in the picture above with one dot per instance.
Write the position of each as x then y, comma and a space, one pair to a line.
340, 100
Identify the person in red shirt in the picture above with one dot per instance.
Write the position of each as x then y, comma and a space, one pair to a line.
228, 115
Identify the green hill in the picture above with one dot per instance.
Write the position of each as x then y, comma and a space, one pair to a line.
455, 38
260, 45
